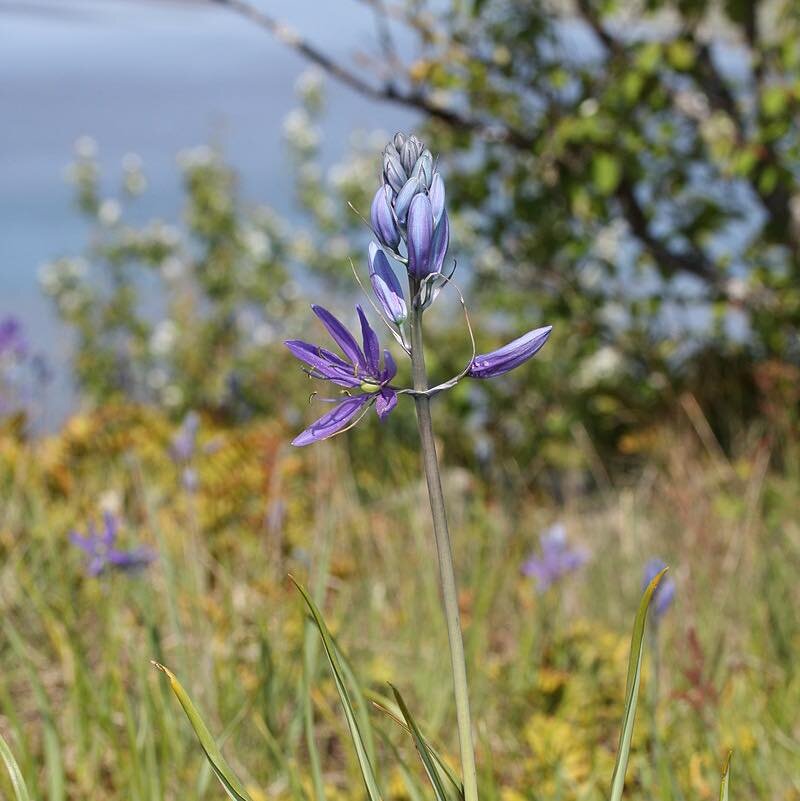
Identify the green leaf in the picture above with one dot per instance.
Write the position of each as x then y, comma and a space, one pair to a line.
422, 749
632, 689
222, 770
382, 704
606, 173
680, 54
774, 101
726, 774
54, 764
352, 721
17, 782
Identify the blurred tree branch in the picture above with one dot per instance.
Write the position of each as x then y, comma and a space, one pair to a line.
670, 261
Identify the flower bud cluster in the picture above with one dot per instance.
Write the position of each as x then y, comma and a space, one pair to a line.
409, 218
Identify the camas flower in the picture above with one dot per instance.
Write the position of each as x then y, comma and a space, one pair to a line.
557, 558
360, 371
102, 553
665, 592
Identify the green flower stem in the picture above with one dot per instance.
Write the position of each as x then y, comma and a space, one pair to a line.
445, 554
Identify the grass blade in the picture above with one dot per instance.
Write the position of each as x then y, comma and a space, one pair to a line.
222, 770
352, 721
726, 774
382, 705
632, 689
54, 764
15, 774
422, 749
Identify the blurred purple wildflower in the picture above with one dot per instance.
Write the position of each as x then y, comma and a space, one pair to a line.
12, 340
102, 553
557, 558
360, 370
184, 442
665, 592
182, 450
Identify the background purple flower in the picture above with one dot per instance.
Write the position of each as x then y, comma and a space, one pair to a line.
102, 554
557, 558
12, 339
184, 441
665, 593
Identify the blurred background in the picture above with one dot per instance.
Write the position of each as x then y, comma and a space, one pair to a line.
178, 183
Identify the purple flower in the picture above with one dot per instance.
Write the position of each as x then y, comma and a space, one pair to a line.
184, 442
665, 592
557, 558
361, 370
12, 339
491, 365
102, 553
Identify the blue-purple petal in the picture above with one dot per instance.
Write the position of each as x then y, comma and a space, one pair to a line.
343, 338
500, 361
437, 196
386, 285
423, 169
393, 170
389, 367
372, 347
385, 402
332, 422
131, 560
441, 240
383, 223
404, 197
325, 363
420, 235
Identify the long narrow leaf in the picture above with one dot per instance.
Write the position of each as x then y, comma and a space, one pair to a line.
54, 764
632, 689
422, 749
17, 782
382, 705
352, 721
359, 701
222, 770
413, 788
726, 775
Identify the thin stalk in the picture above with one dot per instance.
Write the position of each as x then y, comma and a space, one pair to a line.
445, 556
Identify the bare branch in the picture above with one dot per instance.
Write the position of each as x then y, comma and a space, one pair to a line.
411, 98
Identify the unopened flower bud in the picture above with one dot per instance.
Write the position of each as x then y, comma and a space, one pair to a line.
393, 170
382, 219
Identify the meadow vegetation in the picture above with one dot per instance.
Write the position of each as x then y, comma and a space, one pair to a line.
638, 194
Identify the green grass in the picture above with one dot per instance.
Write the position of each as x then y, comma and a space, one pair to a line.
85, 715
